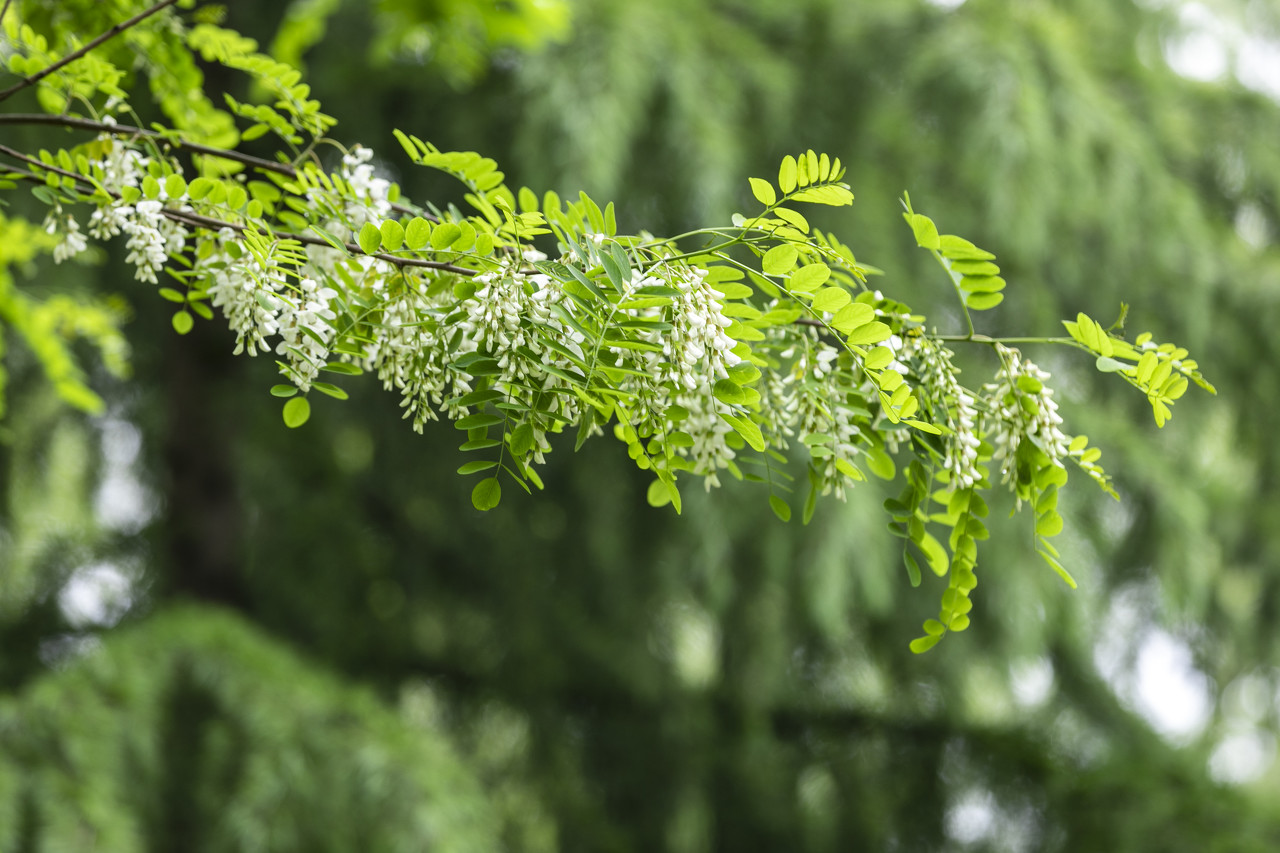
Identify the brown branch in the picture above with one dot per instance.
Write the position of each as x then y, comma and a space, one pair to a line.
74, 55
213, 224
177, 142
126, 130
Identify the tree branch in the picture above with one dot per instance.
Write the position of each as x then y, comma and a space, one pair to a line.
200, 221
76, 54
177, 142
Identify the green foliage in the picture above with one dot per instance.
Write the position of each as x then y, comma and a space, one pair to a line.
189, 703
694, 355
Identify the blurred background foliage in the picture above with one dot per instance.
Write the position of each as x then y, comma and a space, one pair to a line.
217, 634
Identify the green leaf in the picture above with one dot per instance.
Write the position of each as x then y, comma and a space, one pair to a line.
729, 392
477, 466
1058, 567
175, 186
792, 218
1109, 365
780, 259
780, 508
923, 426
183, 322
913, 568
521, 440
369, 238
487, 493
807, 278
982, 283
199, 188
283, 390
763, 191
478, 421
392, 235
296, 412
1049, 524
787, 174
925, 231
417, 233
852, 316
920, 645
658, 495
172, 295
870, 333
878, 358
330, 389
343, 368
975, 268
831, 194
831, 299
746, 428
983, 301
881, 463
442, 237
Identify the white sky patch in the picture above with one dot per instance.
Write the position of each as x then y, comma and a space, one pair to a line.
1031, 682
96, 595
1210, 47
1243, 757
122, 503
1152, 671
1174, 696
972, 817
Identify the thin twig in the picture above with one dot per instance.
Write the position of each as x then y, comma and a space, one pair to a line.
177, 142
214, 224
76, 54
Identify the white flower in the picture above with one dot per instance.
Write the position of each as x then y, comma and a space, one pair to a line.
371, 192
246, 295
939, 383
72, 243
1021, 407
147, 244
304, 330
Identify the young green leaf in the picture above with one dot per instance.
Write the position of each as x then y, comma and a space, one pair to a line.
296, 412
487, 493
369, 238
779, 260
763, 191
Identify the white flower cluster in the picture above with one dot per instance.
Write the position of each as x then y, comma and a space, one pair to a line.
65, 225
938, 380
152, 236
247, 294
371, 202
306, 333
817, 411
696, 352
410, 356
1021, 407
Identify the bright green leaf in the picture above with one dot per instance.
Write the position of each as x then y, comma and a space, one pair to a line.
369, 238
780, 259
486, 495
296, 412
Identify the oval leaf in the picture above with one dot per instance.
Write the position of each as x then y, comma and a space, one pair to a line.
809, 278
763, 191
296, 412
779, 260
369, 238
486, 495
